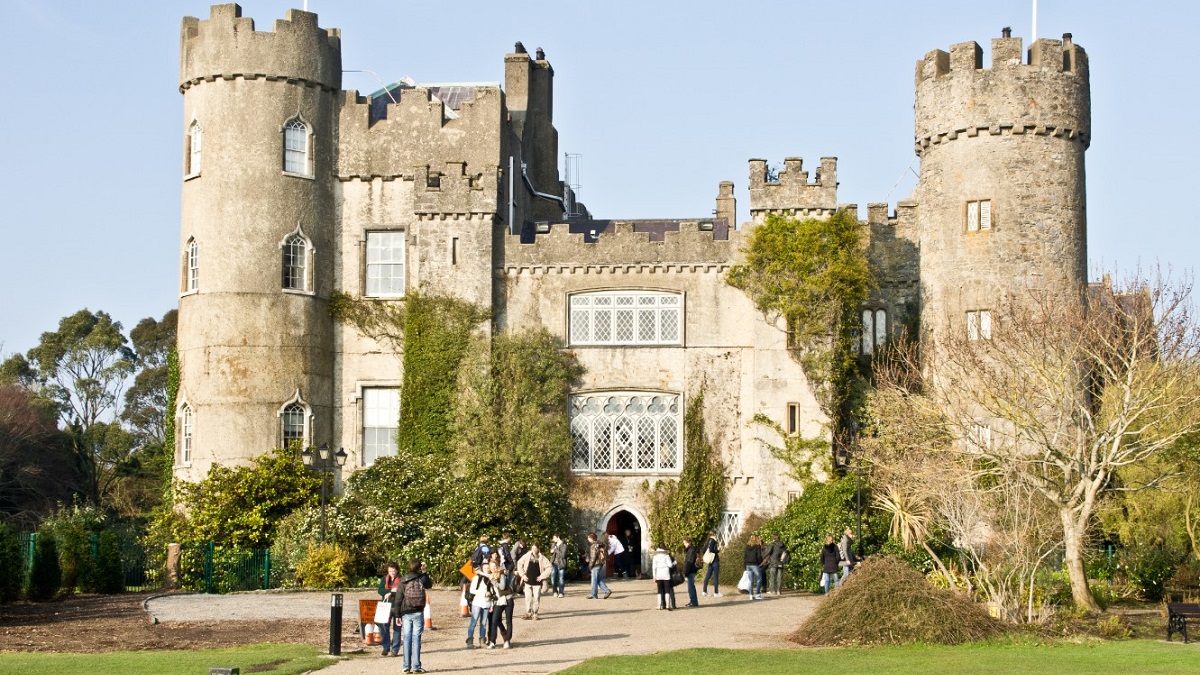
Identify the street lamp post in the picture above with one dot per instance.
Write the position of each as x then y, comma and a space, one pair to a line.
323, 463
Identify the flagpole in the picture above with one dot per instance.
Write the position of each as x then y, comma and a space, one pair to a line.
1032, 40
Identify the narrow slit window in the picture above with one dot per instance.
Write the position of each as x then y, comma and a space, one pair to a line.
195, 145
793, 418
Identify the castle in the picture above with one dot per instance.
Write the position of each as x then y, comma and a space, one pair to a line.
294, 189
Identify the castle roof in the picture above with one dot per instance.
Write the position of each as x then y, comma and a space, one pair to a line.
451, 94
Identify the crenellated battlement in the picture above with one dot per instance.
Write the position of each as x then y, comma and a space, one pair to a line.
455, 188
417, 131
617, 245
226, 46
1047, 95
789, 193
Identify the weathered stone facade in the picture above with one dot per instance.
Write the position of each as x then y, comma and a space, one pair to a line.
463, 181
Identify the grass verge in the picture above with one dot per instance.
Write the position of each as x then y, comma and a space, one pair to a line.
1143, 657
265, 659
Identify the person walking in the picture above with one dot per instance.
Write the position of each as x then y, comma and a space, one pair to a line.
558, 567
413, 588
483, 596
596, 560
846, 550
389, 585
712, 562
662, 564
690, 568
500, 622
533, 568
775, 558
829, 564
753, 559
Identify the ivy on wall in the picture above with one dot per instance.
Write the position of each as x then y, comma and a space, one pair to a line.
168, 448
814, 273
690, 506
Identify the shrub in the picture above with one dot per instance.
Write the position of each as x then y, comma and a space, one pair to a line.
690, 506
72, 527
12, 564
109, 574
824, 509
1148, 569
887, 602
45, 577
323, 566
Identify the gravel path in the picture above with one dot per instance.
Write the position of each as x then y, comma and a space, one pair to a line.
570, 630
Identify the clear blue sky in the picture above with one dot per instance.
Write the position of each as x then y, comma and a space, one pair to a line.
662, 99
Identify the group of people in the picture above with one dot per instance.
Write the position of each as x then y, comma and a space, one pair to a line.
496, 574
837, 558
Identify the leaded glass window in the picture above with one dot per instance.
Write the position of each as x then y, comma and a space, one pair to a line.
625, 318
187, 422
193, 265
626, 432
195, 143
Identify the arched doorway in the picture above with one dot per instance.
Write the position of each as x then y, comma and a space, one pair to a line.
627, 527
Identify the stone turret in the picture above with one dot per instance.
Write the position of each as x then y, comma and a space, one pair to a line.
789, 193
1001, 191
255, 331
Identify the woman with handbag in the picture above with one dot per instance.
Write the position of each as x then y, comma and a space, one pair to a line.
482, 593
389, 631
500, 621
663, 565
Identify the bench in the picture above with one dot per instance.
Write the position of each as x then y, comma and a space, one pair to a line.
1177, 615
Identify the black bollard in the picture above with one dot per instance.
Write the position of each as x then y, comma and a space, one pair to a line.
335, 625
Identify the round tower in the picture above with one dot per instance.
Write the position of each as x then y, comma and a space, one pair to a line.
1001, 192
257, 236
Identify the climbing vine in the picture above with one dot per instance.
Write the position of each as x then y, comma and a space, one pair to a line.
168, 448
815, 275
690, 506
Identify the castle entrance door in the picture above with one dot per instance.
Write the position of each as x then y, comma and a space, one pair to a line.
631, 560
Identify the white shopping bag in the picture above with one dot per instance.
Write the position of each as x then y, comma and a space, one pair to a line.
383, 612
744, 584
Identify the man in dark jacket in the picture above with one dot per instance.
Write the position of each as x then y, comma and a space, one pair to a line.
774, 564
410, 607
690, 555
829, 564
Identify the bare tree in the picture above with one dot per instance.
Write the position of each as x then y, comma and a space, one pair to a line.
1062, 394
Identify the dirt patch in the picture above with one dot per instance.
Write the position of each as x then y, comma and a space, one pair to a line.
105, 623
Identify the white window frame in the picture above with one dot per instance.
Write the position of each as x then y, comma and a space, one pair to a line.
291, 407
874, 331
195, 143
301, 266
979, 215
382, 265
297, 147
979, 324
187, 423
193, 265
370, 415
649, 314
626, 432
729, 528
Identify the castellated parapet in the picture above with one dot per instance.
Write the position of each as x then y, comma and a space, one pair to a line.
227, 46
790, 194
560, 250
1001, 189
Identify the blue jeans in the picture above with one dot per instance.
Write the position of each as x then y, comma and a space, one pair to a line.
389, 637
755, 579
413, 625
479, 616
713, 571
598, 581
691, 582
828, 581
558, 579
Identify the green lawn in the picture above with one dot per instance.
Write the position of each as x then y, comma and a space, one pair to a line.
268, 659
1143, 657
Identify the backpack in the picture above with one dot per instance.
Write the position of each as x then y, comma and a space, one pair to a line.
506, 559
414, 595
785, 557
477, 557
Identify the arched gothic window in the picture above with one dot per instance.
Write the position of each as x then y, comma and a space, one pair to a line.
186, 424
195, 145
193, 266
293, 424
295, 263
295, 147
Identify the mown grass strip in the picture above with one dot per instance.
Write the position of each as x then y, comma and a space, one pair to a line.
264, 659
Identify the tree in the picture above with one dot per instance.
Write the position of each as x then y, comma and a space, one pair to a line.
814, 274
1063, 395
81, 368
37, 469
145, 408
